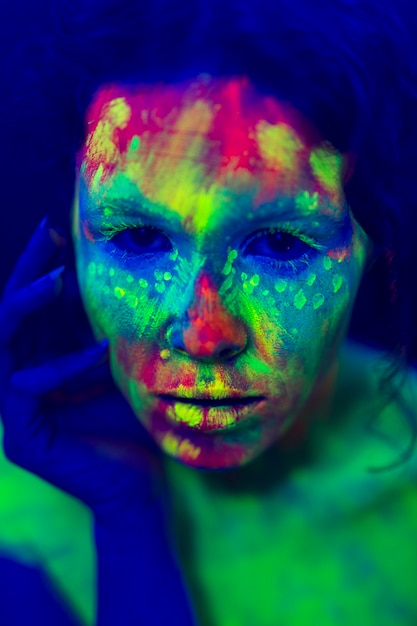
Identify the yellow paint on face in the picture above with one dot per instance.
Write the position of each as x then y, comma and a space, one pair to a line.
326, 165
279, 146
183, 449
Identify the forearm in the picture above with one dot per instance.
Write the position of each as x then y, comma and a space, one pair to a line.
139, 582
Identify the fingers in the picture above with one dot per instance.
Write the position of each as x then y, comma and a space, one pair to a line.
38, 381
27, 300
35, 258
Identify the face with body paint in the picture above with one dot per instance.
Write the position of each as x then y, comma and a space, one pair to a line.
216, 252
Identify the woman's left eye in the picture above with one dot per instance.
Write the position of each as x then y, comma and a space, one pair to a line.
282, 248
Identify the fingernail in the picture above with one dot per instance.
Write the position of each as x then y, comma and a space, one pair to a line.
55, 273
43, 223
99, 347
57, 237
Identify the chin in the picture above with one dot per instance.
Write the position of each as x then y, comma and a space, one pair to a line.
214, 451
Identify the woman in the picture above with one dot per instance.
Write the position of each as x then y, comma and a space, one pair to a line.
228, 203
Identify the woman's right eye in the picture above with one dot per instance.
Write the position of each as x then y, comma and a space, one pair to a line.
142, 240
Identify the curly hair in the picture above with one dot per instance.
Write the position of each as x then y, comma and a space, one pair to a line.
348, 65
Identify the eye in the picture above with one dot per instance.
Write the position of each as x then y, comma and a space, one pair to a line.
142, 240
276, 244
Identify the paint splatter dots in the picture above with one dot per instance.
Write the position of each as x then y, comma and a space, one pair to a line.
280, 285
299, 299
135, 144
306, 202
311, 280
132, 300
337, 283
318, 300
184, 449
143, 283
249, 286
232, 255
160, 287
119, 292
167, 276
327, 263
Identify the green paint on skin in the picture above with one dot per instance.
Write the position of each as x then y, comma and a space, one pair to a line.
160, 287
280, 285
327, 263
318, 300
129, 278
311, 280
232, 255
300, 300
337, 283
143, 283
326, 163
167, 276
307, 202
135, 144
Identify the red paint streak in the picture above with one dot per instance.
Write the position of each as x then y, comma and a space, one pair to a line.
340, 254
211, 327
237, 109
86, 231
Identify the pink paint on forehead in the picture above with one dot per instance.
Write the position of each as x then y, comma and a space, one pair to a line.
216, 121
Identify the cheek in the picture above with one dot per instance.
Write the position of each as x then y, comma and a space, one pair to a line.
120, 303
296, 323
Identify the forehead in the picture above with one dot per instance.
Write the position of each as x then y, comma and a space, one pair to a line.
209, 134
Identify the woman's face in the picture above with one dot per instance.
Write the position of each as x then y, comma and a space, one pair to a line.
216, 252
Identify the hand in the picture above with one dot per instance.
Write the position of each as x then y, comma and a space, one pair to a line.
93, 449
41, 434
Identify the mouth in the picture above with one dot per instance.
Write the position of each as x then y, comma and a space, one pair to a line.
210, 415
213, 402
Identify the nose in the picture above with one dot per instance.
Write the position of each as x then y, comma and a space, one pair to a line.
207, 330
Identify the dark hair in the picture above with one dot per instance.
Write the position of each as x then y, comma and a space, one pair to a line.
348, 65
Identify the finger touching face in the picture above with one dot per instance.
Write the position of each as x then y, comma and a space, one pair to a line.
216, 251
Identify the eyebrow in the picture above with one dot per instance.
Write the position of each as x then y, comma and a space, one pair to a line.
139, 206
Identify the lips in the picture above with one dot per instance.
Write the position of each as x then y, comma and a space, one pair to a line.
207, 414
209, 401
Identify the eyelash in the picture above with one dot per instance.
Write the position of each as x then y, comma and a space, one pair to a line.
292, 265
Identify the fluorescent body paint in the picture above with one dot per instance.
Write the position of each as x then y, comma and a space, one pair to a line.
210, 177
